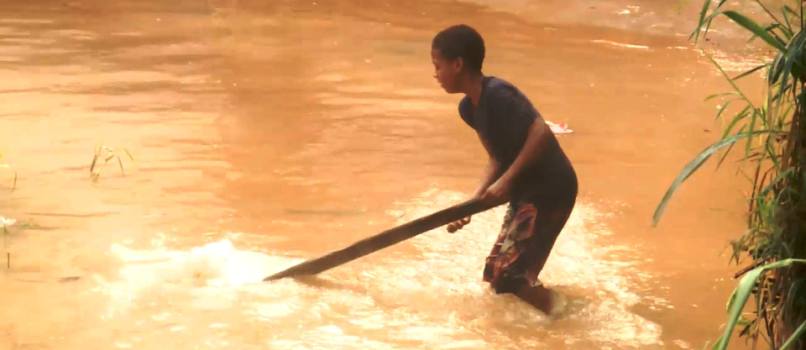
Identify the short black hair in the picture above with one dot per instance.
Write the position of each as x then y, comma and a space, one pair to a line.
462, 41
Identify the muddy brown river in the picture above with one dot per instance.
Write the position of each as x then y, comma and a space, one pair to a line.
264, 133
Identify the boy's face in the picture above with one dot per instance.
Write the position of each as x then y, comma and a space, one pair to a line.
446, 71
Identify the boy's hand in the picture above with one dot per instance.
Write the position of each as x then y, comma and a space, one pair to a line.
456, 225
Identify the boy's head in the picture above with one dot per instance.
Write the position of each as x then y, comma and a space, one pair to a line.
455, 51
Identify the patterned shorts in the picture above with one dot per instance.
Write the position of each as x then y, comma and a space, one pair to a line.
524, 244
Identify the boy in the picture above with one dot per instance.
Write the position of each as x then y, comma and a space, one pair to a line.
526, 168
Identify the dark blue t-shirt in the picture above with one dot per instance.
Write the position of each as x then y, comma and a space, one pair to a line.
503, 118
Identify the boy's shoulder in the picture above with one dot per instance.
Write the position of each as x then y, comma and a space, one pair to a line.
465, 107
502, 91
496, 83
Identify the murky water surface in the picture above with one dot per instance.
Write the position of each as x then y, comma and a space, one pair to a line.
266, 133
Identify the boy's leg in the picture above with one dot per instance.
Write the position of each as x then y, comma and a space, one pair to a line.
521, 251
538, 296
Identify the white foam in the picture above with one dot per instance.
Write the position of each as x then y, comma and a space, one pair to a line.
432, 296
620, 45
209, 275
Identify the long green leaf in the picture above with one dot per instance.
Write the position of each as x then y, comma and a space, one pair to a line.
784, 28
771, 30
787, 11
778, 178
713, 96
742, 292
725, 154
756, 29
794, 337
776, 69
751, 127
723, 108
696, 34
692, 166
790, 57
705, 21
769, 13
771, 152
750, 71
787, 26
792, 295
731, 82
736, 119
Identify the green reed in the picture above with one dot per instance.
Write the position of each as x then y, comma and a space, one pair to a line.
774, 147
104, 155
14, 173
3, 220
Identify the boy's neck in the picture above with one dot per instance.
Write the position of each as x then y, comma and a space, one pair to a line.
473, 87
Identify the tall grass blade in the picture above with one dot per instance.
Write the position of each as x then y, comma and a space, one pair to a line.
120, 163
727, 151
128, 154
736, 119
755, 69
731, 82
94, 161
723, 108
769, 13
742, 292
692, 166
795, 336
696, 34
789, 12
713, 96
757, 30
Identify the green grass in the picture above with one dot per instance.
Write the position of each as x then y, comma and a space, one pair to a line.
774, 147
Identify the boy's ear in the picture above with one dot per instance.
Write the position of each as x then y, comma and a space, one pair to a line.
459, 64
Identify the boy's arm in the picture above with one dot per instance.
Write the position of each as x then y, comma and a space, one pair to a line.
499, 192
491, 172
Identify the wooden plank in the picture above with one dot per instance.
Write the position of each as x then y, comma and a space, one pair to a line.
384, 239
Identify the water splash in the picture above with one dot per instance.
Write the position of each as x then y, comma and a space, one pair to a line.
424, 293
599, 279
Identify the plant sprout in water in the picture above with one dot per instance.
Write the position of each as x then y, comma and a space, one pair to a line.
7, 166
105, 154
6, 222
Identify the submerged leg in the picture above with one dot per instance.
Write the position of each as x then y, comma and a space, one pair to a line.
538, 296
521, 251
